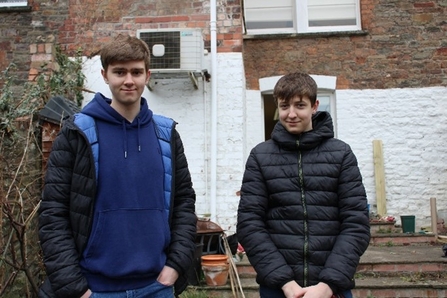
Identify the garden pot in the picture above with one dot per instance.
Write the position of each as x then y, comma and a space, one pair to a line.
215, 269
408, 223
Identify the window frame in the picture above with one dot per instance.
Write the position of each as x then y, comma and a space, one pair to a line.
15, 3
332, 105
301, 22
326, 87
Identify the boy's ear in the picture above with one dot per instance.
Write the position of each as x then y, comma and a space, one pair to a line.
315, 107
104, 76
148, 76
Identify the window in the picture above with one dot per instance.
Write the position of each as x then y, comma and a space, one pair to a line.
325, 95
327, 103
301, 16
13, 3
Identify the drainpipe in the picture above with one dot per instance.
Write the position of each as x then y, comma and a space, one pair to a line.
213, 167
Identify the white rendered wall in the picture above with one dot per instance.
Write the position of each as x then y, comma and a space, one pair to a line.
410, 122
178, 99
412, 125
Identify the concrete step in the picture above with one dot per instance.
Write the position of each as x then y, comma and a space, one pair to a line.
400, 286
249, 287
245, 269
393, 239
394, 265
396, 260
366, 287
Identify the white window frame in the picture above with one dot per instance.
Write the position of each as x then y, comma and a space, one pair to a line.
326, 87
13, 3
324, 93
301, 24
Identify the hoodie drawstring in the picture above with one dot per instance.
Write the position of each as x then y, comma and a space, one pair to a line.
125, 136
125, 139
138, 134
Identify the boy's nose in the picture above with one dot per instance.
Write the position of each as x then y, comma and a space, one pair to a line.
292, 113
128, 79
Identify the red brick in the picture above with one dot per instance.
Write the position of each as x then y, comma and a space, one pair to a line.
407, 268
442, 51
384, 268
424, 4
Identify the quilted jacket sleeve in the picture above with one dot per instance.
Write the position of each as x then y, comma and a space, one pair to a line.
354, 235
271, 267
55, 232
183, 218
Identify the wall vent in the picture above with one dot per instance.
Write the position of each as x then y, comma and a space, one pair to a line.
183, 50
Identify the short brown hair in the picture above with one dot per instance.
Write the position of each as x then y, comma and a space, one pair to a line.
295, 84
125, 48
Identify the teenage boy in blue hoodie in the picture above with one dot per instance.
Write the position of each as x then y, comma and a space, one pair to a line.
117, 217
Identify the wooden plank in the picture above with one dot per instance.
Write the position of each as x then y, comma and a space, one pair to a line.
434, 216
379, 174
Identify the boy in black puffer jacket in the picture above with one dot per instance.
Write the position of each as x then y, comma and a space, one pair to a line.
303, 218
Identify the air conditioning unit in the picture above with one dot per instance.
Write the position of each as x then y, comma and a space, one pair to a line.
183, 50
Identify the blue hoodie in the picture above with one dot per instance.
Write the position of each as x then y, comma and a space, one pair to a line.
130, 232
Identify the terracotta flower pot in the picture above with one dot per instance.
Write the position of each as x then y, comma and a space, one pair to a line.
215, 268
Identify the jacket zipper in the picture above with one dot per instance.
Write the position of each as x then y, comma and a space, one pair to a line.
306, 234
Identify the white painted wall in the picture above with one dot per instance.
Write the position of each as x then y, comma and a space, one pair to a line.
410, 122
177, 98
412, 125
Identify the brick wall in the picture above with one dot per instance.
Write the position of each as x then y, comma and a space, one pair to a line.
49, 133
403, 45
93, 22
14, 29
87, 24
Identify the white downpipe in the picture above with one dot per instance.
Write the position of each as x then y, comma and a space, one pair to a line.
213, 167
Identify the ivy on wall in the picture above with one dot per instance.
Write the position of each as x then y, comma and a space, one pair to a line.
21, 268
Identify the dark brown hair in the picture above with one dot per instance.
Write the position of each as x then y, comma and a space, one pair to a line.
295, 84
125, 48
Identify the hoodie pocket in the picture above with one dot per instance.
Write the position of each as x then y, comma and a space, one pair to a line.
128, 242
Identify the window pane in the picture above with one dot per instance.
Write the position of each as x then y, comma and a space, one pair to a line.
265, 18
8, 3
332, 13
261, 14
325, 103
301, 16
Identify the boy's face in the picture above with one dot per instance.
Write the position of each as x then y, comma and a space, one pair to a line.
126, 81
296, 114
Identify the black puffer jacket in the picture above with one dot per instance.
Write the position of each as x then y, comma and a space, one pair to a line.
66, 211
303, 209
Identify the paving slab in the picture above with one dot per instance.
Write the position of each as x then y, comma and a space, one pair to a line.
402, 253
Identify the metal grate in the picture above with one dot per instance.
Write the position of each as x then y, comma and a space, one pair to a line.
171, 41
